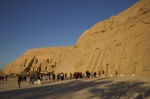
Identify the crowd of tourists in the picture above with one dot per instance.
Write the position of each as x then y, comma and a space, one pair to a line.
3, 78
55, 77
63, 76
52, 76
59, 77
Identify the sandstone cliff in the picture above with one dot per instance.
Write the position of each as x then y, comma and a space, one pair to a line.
1, 72
120, 43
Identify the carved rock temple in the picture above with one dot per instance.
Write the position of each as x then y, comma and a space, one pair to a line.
120, 43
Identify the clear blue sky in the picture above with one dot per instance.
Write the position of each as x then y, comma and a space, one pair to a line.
27, 24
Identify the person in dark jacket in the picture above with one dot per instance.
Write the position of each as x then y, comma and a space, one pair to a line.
19, 80
53, 77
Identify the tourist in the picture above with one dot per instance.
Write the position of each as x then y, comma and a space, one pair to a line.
115, 72
2, 78
80, 75
65, 75
19, 80
99, 73
103, 72
62, 76
49, 76
70, 75
53, 76
76, 75
22, 78
33, 79
88, 74
5, 78
25, 78
30, 80
95, 74
58, 77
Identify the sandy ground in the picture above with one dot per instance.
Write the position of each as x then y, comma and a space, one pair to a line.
127, 87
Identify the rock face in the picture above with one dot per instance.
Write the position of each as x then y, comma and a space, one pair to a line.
121, 43
1, 72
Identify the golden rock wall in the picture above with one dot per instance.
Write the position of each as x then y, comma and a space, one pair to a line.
121, 43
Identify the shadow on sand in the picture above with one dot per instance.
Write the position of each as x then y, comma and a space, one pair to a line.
125, 90
67, 90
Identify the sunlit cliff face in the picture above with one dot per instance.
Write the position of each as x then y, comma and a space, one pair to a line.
121, 43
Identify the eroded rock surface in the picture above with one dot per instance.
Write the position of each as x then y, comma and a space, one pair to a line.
121, 43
